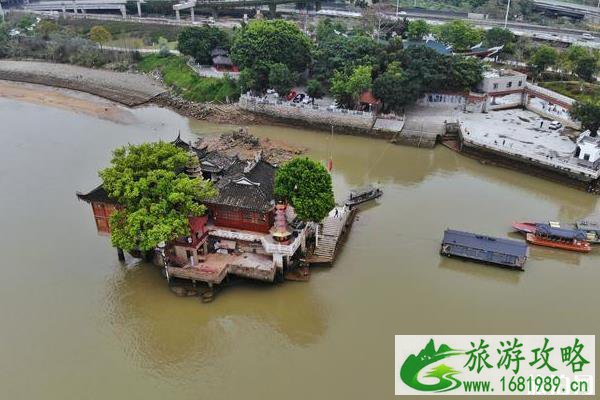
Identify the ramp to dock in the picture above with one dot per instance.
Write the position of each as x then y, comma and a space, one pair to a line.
331, 233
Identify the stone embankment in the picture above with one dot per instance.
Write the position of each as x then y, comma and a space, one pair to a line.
129, 89
316, 117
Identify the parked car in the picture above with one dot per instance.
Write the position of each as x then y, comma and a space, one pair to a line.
299, 97
554, 125
587, 36
270, 91
307, 100
291, 95
333, 106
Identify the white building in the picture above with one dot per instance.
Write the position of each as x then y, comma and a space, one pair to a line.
588, 150
502, 81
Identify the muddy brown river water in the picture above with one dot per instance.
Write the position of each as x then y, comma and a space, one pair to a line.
76, 324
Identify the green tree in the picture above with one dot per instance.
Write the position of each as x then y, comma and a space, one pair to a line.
275, 41
586, 68
343, 52
499, 37
588, 113
247, 80
46, 27
347, 88
543, 58
281, 78
100, 35
459, 34
417, 29
200, 41
464, 73
314, 89
157, 198
306, 185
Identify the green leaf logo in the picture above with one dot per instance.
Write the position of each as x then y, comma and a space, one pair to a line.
409, 372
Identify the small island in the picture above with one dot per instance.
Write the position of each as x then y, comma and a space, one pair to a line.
229, 207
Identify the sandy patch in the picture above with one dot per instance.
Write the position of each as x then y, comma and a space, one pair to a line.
66, 100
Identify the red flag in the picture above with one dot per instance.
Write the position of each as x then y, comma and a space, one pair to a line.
329, 165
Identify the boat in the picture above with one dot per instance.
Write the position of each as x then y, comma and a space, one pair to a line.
559, 238
484, 249
362, 195
592, 229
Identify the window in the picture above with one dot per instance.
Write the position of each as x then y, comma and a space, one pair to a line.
509, 84
520, 83
586, 157
495, 86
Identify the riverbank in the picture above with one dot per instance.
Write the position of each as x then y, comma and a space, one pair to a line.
127, 88
66, 100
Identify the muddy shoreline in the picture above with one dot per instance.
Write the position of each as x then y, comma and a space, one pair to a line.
128, 89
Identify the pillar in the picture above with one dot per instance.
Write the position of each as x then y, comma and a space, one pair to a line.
273, 9
278, 260
139, 8
192, 14
123, 11
177, 15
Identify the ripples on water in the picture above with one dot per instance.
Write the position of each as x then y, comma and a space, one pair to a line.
77, 324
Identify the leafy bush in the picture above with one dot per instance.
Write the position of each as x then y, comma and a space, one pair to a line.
177, 74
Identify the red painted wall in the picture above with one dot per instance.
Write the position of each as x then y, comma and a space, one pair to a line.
102, 213
240, 219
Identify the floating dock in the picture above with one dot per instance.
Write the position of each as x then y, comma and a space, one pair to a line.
332, 231
485, 249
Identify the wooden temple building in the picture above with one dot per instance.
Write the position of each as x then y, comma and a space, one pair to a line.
244, 233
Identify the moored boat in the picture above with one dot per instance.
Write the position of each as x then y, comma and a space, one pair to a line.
362, 195
591, 229
485, 249
559, 238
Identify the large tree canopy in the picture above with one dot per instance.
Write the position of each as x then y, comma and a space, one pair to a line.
275, 41
157, 198
459, 34
544, 57
200, 41
306, 185
588, 112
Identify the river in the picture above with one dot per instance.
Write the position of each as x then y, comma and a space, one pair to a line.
77, 324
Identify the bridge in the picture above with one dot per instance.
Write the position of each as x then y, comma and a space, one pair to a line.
82, 6
571, 10
216, 4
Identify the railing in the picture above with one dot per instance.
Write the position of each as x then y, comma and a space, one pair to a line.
285, 249
281, 103
535, 89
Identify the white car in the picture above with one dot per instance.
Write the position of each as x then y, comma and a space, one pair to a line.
402, 13
554, 125
587, 36
307, 100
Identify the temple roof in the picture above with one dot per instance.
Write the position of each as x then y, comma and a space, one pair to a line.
250, 188
242, 184
179, 142
98, 194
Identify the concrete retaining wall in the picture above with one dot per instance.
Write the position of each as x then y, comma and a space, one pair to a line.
350, 122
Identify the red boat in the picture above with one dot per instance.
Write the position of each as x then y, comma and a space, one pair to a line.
565, 239
524, 227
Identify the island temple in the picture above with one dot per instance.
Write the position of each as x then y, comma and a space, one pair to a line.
245, 232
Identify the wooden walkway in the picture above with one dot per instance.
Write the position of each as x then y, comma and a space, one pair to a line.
331, 234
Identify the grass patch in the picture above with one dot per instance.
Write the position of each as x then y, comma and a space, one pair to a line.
186, 82
575, 89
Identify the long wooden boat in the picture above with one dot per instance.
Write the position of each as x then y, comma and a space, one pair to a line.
484, 249
591, 229
362, 195
559, 238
